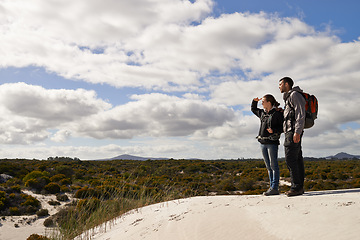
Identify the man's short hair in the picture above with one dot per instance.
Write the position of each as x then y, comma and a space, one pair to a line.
287, 80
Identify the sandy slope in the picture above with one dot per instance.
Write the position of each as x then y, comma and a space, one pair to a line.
27, 225
315, 215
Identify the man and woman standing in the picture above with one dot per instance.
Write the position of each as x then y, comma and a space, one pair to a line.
274, 121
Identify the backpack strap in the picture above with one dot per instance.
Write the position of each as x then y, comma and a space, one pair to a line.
270, 119
273, 136
268, 116
291, 115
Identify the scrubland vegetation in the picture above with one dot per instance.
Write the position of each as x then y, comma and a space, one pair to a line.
105, 189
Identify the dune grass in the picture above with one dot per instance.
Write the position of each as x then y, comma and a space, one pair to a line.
80, 218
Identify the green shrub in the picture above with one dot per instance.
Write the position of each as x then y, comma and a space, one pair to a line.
37, 237
62, 197
65, 181
66, 170
14, 211
49, 222
254, 192
34, 184
228, 185
64, 189
2, 195
42, 213
54, 203
356, 183
246, 184
35, 175
86, 192
15, 189
30, 201
2, 199
52, 188
57, 177
37, 184
29, 210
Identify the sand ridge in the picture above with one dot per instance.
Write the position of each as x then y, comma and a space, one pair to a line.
315, 215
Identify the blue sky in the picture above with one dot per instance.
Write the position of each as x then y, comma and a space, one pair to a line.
169, 78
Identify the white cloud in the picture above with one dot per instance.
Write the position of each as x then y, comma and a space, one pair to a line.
51, 105
137, 43
156, 115
61, 136
238, 92
335, 141
28, 112
43, 33
32, 111
100, 22
168, 45
153, 44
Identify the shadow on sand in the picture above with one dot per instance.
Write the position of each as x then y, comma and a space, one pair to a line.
332, 192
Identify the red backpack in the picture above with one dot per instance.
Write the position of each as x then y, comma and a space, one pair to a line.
311, 109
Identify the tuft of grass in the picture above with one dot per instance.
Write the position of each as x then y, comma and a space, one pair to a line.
80, 218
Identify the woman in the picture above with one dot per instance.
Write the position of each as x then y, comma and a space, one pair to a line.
269, 134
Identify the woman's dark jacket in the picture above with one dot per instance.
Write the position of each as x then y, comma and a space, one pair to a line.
276, 123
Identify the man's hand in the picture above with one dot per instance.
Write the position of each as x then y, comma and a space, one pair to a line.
296, 137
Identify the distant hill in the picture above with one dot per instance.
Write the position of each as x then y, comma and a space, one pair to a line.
131, 157
137, 158
343, 155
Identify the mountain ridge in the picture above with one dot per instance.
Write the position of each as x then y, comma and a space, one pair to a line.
131, 157
340, 155
343, 155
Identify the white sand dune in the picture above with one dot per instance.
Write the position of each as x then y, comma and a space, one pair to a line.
315, 215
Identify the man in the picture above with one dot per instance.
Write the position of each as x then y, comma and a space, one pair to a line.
294, 120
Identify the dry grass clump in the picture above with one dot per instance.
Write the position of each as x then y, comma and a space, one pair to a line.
101, 205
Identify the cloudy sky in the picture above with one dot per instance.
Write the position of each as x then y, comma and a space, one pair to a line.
171, 78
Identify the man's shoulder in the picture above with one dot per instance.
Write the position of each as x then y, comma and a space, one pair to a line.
296, 97
296, 94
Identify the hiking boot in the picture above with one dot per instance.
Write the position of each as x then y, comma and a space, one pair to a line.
293, 192
271, 192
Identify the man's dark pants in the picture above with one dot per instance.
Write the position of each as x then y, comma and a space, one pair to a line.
294, 161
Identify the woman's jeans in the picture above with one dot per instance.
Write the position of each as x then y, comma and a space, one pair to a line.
270, 154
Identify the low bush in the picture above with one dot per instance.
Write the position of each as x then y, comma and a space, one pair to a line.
49, 222
62, 197
52, 188
30, 201
57, 177
14, 211
37, 237
42, 213
54, 203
